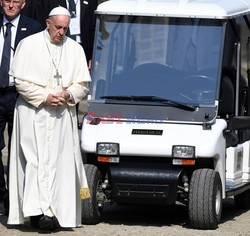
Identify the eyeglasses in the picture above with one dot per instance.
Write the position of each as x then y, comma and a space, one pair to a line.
14, 2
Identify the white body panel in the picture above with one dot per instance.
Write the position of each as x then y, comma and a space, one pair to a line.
234, 166
208, 143
177, 8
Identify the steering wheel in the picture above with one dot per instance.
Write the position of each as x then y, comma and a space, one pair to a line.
198, 88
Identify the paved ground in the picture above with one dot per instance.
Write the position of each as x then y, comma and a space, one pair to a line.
147, 221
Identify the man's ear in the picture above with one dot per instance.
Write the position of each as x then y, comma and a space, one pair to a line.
23, 4
47, 22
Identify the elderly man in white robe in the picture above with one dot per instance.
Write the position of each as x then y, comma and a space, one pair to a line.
47, 176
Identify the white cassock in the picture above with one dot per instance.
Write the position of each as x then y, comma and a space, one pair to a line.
46, 171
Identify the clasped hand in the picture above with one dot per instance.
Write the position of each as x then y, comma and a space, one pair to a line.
59, 99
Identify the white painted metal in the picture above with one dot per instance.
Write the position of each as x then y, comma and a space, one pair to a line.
234, 166
205, 141
208, 143
176, 8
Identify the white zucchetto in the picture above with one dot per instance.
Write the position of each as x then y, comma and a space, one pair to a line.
59, 11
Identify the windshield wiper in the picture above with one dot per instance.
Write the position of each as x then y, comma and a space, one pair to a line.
180, 105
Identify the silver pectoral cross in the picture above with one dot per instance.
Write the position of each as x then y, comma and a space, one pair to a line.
57, 77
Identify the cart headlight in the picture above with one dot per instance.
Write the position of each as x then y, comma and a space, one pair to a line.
111, 149
183, 151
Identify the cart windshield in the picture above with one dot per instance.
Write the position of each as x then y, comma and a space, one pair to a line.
176, 59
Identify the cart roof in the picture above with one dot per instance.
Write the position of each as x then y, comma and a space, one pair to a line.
221, 9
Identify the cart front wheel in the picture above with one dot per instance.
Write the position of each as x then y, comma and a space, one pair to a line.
91, 209
205, 199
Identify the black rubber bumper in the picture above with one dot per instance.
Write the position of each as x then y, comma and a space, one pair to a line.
150, 183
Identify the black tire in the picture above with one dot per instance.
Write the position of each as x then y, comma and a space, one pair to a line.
242, 201
205, 199
91, 213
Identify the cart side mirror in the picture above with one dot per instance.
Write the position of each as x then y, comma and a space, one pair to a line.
239, 123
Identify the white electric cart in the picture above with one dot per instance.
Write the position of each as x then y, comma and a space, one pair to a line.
169, 107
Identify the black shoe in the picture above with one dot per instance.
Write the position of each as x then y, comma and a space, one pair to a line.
46, 223
34, 221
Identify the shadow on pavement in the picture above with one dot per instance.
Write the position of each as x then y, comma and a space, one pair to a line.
160, 215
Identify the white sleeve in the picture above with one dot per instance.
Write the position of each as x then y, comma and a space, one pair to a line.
34, 94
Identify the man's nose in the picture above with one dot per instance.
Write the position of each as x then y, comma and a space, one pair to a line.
61, 31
